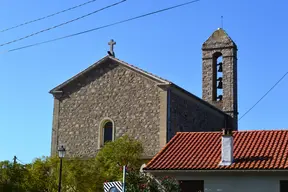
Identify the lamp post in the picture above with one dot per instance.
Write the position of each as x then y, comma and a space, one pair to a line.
61, 153
124, 178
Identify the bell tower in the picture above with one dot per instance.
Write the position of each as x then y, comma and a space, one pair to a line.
219, 73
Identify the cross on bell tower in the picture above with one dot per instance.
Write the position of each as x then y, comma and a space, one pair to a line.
219, 73
111, 44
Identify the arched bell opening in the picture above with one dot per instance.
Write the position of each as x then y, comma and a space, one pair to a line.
217, 76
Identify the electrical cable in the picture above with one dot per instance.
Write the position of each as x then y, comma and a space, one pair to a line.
65, 23
20, 161
45, 17
264, 95
133, 18
101, 27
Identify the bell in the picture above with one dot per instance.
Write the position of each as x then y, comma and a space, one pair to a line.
219, 98
220, 67
220, 86
219, 79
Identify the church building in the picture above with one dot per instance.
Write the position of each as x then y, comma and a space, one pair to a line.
112, 98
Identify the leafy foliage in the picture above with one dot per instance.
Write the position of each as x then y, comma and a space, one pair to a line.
80, 175
12, 176
87, 175
169, 184
114, 155
138, 182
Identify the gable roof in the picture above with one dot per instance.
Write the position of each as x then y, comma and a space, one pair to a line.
253, 150
219, 39
162, 82
105, 59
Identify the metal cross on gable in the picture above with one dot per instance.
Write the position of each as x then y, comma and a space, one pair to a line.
111, 44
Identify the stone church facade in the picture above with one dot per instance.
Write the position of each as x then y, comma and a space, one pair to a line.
112, 98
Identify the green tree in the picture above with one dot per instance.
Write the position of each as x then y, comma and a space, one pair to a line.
5, 176
77, 175
87, 175
41, 176
12, 176
80, 175
114, 155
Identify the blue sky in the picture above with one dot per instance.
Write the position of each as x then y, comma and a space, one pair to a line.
167, 44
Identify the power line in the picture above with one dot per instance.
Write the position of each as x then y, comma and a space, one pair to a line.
133, 18
264, 95
19, 160
65, 23
101, 27
45, 17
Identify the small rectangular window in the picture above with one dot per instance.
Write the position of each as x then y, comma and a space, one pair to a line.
192, 185
283, 185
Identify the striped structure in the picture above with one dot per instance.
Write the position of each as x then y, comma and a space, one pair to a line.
108, 186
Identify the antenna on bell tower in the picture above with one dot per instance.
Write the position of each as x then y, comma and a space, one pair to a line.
222, 22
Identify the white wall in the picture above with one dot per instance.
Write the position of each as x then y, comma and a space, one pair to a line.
238, 183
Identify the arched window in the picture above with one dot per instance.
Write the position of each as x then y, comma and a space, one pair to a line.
217, 76
106, 132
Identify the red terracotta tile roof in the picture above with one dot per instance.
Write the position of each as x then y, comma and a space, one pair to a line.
202, 151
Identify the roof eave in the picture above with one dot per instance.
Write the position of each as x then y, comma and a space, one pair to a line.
211, 170
59, 87
141, 71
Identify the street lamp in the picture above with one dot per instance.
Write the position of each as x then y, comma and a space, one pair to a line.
61, 154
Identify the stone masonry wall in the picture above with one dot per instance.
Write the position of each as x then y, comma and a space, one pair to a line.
187, 115
132, 101
219, 43
229, 104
